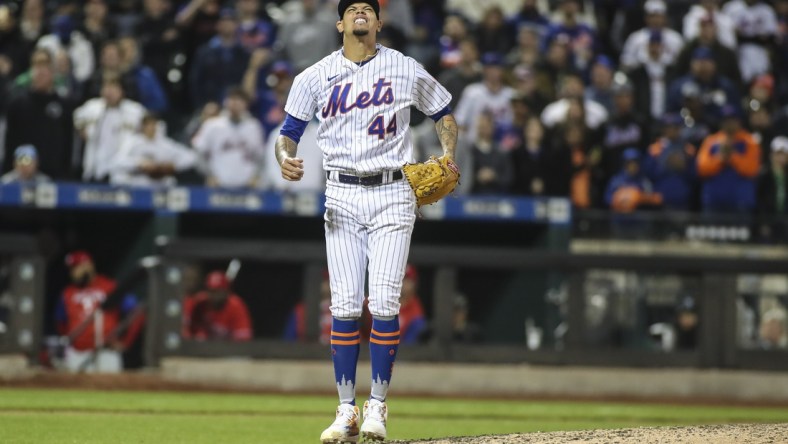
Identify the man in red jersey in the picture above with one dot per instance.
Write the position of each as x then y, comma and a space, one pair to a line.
217, 313
94, 343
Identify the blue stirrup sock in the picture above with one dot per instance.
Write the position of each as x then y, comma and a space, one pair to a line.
345, 340
383, 345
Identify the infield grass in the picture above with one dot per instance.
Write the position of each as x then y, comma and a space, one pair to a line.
48, 416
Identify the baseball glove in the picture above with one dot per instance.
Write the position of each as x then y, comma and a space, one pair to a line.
433, 179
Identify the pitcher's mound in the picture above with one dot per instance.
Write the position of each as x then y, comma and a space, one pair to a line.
717, 434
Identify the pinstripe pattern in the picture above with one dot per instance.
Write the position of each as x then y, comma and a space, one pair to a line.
368, 222
364, 117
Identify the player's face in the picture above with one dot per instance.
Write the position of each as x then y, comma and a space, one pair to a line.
359, 20
83, 273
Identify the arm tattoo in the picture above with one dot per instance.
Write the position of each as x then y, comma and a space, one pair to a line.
447, 134
285, 147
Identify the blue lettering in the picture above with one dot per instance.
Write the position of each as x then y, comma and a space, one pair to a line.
338, 102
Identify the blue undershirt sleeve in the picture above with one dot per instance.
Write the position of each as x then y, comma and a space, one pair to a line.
293, 128
440, 114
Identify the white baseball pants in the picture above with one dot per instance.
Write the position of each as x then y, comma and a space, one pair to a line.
368, 225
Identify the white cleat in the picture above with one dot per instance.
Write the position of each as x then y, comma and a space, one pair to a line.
375, 415
344, 429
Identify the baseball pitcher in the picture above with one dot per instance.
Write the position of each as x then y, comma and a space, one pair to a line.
361, 95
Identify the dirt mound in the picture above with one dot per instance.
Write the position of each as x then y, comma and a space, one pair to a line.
717, 434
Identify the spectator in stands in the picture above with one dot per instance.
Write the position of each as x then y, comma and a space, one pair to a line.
492, 165
636, 47
756, 29
772, 330
32, 25
630, 189
232, 144
580, 38
725, 56
600, 89
529, 161
104, 123
13, 57
150, 92
269, 91
698, 122
120, 60
463, 73
159, 38
490, 95
66, 38
626, 128
307, 34
150, 158
650, 77
670, 165
573, 89
552, 68
773, 181
197, 23
253, 30
219, 64
25, 167
295, 330
455, 31
528, 49
761, 126
90, 294
37, 115
728, 162
217, 313
761, 94
493, 33
715, 92
708, 13
529, 17
39, 56
412, 320
97, 26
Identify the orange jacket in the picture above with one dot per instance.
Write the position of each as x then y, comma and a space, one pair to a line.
745, 158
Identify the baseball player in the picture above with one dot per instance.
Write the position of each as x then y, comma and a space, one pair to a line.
362, 95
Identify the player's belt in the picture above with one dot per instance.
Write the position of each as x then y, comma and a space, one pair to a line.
373, 179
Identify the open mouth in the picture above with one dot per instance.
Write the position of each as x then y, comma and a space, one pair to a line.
361, 21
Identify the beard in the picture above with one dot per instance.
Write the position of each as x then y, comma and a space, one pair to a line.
84, 280
360, 32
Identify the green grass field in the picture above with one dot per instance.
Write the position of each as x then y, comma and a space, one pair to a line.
45, 416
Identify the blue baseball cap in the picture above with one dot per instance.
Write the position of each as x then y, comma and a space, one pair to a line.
730, 112
282, 67
631, 154
604, 61
703, 53
492, 59
228, 13
26, 151
673, 119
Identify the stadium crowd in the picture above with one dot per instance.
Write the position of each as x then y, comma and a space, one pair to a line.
619, 104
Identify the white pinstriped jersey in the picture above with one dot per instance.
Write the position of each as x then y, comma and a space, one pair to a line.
364, 110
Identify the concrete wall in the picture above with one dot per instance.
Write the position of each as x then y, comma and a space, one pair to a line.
489, 380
